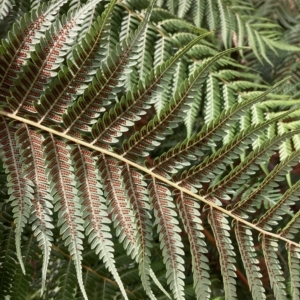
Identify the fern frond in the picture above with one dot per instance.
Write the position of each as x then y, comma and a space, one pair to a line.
33, 169
45, 60
20, 188
192, 148
248, 167
248, 204
73, 78
220, 227
117, 203
15, 51
282, 207
137, 194
5, 8
125, 112
107, 83
250, 261
183, 7
198, 12
21, 280
170, 241
189, 212
270, 248
294, 264
94, 210
65, 202
216, 163
162, 124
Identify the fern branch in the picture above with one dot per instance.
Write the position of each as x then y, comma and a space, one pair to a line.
147, 171
20, 188
122, 115
33, 168
71, 78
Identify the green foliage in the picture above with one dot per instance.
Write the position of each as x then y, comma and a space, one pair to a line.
138, 143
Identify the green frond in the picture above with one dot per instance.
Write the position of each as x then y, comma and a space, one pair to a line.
94, 210
137, 194
189, 212
20, 188
282, 207
44, 62
211, 14
117, 203
66, 281
198, 11
191, 148
5, 8
212, 103
183, 7
22, 281
216, 163
172, 113
73, 78
65, 201
170, 241
106, 84
247, 168
270, 247
224, 23
254, 199
250, 261
135, 154
219, 224
41, 211
125, 112
21, 40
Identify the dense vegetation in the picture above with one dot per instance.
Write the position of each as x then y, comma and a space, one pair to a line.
149, 150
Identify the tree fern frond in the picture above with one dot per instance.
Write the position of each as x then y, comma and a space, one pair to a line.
5, 8
270, 247
198, 12
30, 84
107, 82
212, 105
20, 188
170, 241
189, 212
136, 102
15, 51
172, 114
271, 181
293, 261
149, 215
33, 168
192, 148
183, 7
62, 186
73, 79
220, 227
215, 164
211, 15
275, 213
249, 257
247, 167
21, 280
117, 203
94, 210
67, 281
